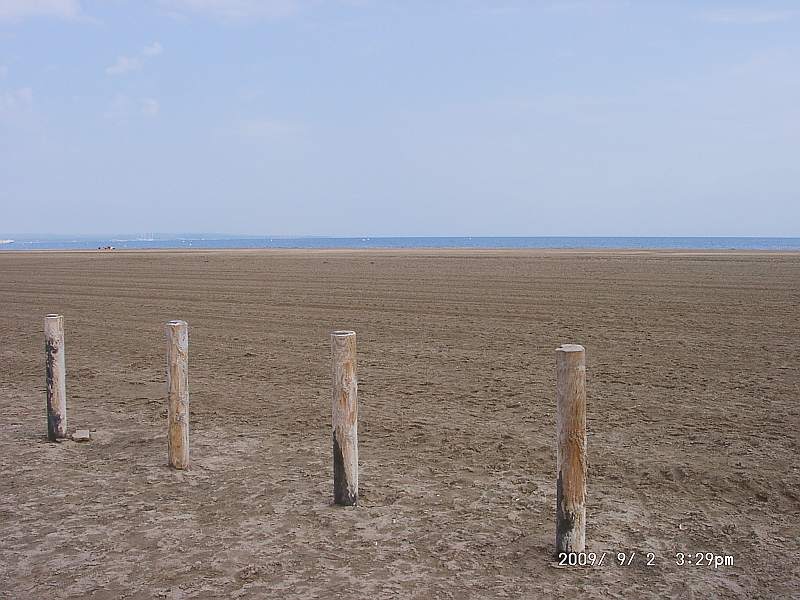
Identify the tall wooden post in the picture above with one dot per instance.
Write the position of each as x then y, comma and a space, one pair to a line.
345, 418
56, 377
178, 393
571, 454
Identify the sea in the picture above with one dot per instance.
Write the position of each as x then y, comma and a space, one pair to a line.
208, 241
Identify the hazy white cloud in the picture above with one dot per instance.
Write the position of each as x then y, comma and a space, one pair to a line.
120, 108
16, 10
747, 16
153, 49
150, 107
273, 136
14, 100
264, 128
126, 64
234, 9
123, 108
584, 6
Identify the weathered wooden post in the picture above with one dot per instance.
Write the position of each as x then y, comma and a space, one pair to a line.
56, 377
571, 453
345, 418
178, 393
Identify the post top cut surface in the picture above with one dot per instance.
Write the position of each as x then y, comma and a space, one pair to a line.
570, 348
343, 333
176, 322
52, 316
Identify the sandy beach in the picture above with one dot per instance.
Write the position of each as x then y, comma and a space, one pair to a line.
693, 388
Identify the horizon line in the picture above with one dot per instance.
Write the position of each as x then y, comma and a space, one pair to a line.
217, 235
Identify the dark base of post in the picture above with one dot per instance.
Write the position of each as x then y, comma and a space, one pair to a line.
564, 521
568, 524
55, 427
342, 494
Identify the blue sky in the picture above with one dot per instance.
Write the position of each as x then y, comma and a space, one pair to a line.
388, 117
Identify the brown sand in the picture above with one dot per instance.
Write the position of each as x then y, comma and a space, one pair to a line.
693, 424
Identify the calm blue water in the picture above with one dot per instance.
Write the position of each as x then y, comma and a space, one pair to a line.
199, 241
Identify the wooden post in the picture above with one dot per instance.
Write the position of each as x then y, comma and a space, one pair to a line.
56, 377
345, 418
571, 453
178, 393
